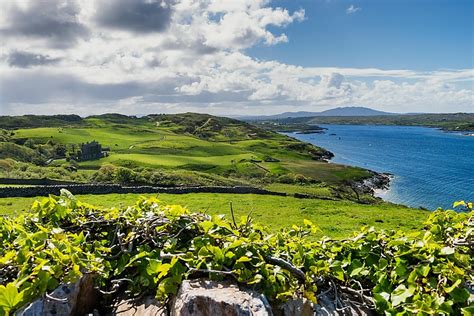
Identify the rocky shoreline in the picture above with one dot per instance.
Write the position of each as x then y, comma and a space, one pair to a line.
378, 181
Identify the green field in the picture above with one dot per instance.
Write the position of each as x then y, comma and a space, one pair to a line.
156, 160
334, 218
227, 150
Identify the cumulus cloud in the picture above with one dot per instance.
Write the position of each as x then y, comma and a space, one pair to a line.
149, 56
352, 9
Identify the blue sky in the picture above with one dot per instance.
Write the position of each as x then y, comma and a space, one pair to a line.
235, 57
387, 34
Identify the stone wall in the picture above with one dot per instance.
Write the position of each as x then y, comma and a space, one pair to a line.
44, 190
44, 181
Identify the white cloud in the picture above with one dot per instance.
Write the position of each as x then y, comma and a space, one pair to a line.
193, 60
352, 9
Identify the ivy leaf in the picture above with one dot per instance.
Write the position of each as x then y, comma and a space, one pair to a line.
256, 279
357, 267
165, 287
381, 299
218, 254
153, 266
206, 226
459, 295
400, 295
468, 311
452, 287
244, 259
337, 270
445, 251
204, 252
9, 296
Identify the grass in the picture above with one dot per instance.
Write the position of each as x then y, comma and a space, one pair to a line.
335, 218
118, 138
194, 142
150, 160
313, 189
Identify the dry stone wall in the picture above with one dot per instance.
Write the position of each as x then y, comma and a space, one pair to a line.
44, 190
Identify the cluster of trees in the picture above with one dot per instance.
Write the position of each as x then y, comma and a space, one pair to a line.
30, 121
31, 150
36, 151
10, 168
146, 176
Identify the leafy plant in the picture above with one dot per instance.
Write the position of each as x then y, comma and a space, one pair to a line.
152, 248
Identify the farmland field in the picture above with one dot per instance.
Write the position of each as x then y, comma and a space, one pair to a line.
334, 218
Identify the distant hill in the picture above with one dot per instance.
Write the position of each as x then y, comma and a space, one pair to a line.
460, 122
352, 111
340, 111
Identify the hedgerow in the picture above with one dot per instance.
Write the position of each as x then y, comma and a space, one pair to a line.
150, 248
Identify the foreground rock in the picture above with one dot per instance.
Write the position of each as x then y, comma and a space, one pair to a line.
199, 297
149, 306
300, 307
209, 298
68, 299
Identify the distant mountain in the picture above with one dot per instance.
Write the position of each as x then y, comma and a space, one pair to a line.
352, 111
340, 111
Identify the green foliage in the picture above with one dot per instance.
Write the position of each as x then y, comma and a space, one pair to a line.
5, 135
106, 173
125, 175
20, 153
21, 170
32, 150
153, 247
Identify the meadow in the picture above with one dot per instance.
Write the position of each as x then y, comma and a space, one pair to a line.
334, 218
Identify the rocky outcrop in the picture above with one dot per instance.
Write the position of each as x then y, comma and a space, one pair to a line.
378, 181
69, 299
209, 298
200, 297
300, 307
148, 306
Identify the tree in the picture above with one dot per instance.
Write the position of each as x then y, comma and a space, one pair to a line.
30, 143
124, 175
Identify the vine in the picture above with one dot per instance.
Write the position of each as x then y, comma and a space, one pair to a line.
150, 248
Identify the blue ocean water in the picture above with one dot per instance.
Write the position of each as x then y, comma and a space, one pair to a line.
431, 168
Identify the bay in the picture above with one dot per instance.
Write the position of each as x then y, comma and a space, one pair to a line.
431, 168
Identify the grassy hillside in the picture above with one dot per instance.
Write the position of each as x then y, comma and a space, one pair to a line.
12, 122
447, 122
189, 148
334, 218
